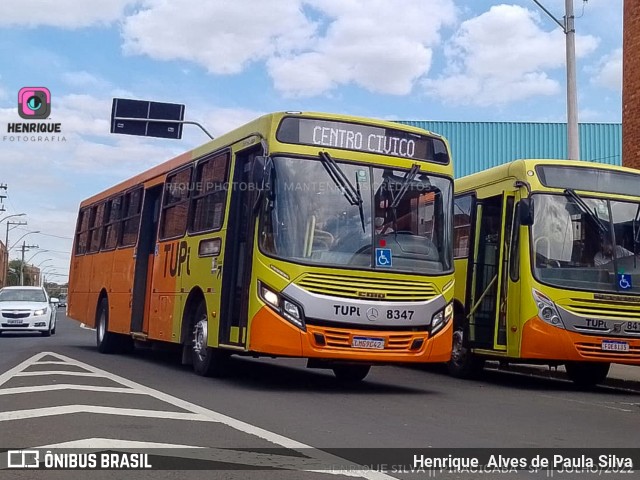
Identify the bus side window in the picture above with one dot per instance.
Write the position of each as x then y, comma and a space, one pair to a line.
462, 226
82, 233
112, 223
95, 232
131, 218
208, 201
176, 205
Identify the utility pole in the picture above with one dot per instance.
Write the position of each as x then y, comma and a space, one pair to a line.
3, 186
568, 27
24, 248
6, 245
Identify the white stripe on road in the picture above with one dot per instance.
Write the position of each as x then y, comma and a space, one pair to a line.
129, 412
67, 386
102, 443
37, 373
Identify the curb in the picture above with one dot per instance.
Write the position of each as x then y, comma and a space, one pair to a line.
558, 373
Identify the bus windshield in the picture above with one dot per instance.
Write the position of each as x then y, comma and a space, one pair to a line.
586, 243
315, 217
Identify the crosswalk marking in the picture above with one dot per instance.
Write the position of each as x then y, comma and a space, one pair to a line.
314, 460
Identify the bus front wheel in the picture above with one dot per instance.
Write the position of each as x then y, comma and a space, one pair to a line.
351, 373
207, 361
463, 363
586, 374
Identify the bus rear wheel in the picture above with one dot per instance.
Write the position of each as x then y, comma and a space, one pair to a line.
586, 374
351, 373
106, 341
206, 361
463, 363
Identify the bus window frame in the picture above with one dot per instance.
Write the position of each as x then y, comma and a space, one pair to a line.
117, 223
193, 198
473, 197
96, 226
164, 207
126, 202
81, 216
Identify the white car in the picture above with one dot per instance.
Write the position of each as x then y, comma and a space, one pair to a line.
27, 309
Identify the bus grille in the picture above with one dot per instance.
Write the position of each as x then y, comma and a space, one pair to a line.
341, 339
594, 350
596, 308
381, 289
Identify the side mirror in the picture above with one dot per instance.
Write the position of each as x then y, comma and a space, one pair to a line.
54, 300
526, 211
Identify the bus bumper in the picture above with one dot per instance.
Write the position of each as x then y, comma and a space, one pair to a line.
545, 342
272, 335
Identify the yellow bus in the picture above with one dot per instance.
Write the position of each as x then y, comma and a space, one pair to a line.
537, 279
298, 235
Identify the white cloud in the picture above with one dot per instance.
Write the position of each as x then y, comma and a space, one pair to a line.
222, 36
61, 13
608, 71
502, 56
379, 45
84, 79
375, 44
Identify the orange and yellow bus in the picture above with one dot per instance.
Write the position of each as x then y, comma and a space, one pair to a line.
298, 235
536, 277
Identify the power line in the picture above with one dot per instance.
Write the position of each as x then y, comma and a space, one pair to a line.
50, 235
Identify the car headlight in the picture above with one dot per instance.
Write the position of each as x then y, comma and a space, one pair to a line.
289, 310
41, 311
547, 310
441, 318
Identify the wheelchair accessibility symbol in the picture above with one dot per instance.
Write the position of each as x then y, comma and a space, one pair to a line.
624, 281
383, 257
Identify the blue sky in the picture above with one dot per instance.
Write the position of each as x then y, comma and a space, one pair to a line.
462, 60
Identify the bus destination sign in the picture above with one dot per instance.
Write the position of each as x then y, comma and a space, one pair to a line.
363, 138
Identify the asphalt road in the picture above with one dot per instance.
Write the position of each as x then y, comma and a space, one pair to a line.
60, 392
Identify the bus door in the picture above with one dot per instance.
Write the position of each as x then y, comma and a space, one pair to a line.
145, 250
238, 256
489, 286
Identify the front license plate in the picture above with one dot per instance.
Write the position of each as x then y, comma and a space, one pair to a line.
367, 342
14, 322
613, 346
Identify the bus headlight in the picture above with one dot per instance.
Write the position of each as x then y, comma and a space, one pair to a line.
288, 309
547, 310
441, 318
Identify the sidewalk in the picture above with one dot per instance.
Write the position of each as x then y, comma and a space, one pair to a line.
620, 376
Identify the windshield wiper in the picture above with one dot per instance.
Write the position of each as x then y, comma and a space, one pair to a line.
570, 192
351, 193
404, 186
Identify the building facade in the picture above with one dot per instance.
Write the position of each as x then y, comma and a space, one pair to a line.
477, 146
631, 84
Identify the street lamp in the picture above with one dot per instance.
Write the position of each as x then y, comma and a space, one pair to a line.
44, 261
11, 216
37, 253
569, 29
17, 241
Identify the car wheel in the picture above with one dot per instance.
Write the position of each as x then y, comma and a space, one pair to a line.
55, 324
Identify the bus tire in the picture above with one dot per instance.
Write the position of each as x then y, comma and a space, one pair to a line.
587, 374
463, 363
351, 373
206, 361
106, 341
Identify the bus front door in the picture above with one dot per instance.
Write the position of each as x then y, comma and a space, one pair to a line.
238, 254
489, 283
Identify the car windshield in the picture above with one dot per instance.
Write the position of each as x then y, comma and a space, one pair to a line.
396, 220
586, 243
22, 295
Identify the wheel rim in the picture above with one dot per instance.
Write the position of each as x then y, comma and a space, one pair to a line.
200, 339
101, 326
458, 351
